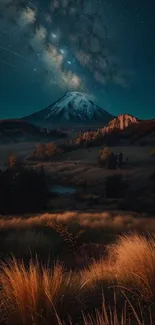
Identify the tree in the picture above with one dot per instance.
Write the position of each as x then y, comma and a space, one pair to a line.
107, 158
12, 161
51, 149
112, 161
40, 150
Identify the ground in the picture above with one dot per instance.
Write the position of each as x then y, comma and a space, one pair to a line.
81, 165
101, 247
79, 168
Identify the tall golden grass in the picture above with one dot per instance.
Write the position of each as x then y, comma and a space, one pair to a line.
116, 290
115, 220
37, 296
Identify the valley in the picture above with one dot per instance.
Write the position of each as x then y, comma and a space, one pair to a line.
80, 199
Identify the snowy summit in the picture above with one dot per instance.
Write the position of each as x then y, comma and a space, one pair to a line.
73, 108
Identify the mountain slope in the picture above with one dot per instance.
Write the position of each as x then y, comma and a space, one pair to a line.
74, 108
125, 128
122, 122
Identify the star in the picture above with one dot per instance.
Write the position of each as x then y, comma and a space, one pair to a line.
54, 35
62, 51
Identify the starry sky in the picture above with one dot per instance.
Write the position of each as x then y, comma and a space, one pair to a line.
105, 48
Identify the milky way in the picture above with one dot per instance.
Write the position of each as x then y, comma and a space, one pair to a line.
66, 44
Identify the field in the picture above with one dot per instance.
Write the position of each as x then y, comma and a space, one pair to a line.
72, 267
81, 164
83, 260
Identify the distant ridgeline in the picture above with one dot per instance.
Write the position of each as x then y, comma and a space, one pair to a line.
23, 130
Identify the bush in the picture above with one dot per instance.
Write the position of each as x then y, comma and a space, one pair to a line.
115, 186
14, 162
23, 191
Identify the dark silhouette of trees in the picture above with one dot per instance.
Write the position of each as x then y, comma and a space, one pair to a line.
24, 190
115, 186
110, 160
120, 160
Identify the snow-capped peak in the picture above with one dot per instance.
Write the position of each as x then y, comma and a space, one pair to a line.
75, 104
73, 108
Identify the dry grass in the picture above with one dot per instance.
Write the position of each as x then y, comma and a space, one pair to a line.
112, 220
133, 258
82, 234
37, 296
117, 290
33, 294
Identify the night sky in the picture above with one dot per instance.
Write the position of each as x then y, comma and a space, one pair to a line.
105, 48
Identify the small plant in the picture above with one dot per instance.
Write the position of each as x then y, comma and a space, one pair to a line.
68, 237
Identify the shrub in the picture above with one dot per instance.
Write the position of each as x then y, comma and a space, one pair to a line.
115, 186
14, 162
46, 151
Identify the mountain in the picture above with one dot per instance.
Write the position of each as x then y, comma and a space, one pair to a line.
130, 129
122, 122
125, 129
74, 108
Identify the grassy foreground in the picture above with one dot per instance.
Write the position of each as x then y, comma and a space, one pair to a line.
77, 268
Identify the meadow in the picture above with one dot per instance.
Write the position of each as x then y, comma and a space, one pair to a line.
80, 262
77, 268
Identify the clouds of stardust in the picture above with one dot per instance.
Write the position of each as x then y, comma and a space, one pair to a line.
76, 24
